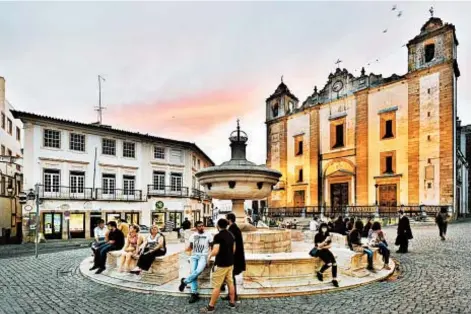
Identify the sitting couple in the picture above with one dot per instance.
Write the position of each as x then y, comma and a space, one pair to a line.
376, 238
144, 250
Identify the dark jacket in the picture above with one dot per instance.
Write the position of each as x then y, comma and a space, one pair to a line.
366, 228
339, 227
403, 228
239, 256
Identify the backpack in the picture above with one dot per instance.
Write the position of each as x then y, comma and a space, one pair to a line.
164, 248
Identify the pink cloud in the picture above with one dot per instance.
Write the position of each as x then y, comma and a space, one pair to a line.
190, 115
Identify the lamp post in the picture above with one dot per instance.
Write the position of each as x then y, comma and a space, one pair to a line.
34, 195
10, 194
376, 199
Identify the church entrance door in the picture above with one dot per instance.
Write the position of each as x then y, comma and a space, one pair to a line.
387, 198
338, 197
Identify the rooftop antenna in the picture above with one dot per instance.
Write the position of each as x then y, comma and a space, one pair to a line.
100, 108
338, 63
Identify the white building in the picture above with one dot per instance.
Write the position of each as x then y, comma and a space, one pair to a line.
463, 170
10, 169
92, 171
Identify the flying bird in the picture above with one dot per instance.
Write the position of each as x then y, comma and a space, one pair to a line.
399, 14
385, 31
394, 7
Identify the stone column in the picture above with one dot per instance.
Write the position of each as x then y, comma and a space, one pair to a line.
238, 210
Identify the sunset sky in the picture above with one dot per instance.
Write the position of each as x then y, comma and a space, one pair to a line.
189, 70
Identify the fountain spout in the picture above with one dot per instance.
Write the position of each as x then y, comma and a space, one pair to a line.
238, 145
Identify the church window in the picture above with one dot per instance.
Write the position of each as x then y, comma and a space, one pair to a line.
388, 162
275, 110
298, 145
429, 52
337, 133
300, 175
387, 125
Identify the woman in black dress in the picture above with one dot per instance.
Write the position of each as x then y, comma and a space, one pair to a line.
323, 243
153, 247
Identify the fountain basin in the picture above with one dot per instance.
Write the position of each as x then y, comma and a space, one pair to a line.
262, 241
250, 182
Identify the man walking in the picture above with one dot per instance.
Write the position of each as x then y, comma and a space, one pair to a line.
115, 242
223, 249
404, 233
441, 220
239, 255
200, 242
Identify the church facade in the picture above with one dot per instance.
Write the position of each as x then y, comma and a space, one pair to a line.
369, 140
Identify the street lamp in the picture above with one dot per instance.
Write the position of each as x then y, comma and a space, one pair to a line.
376, 194
33, 195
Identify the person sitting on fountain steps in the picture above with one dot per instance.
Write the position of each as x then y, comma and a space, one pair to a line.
154, 246
323, 243
356, 245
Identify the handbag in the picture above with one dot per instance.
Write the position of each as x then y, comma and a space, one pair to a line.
313, 252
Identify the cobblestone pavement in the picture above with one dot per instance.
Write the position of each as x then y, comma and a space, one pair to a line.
436, 279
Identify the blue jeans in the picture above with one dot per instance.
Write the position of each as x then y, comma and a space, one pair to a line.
198, 263
369, 254
100, 254
383, 250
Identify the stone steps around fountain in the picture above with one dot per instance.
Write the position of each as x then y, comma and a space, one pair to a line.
247, 288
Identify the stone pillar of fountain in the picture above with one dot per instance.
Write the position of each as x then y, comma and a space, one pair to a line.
238, 210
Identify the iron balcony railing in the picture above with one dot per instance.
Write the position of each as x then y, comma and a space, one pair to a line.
195, 193
167, 190
351, 211
65, 192
119, 194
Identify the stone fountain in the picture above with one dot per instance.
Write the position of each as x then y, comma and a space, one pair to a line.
238, 179
277, 260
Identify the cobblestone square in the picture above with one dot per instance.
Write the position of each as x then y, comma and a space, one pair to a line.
434, 277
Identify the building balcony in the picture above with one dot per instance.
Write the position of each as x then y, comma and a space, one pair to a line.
119, 195
195, 193
65, 192
167, 190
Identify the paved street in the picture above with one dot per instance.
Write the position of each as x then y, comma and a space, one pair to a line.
436, 279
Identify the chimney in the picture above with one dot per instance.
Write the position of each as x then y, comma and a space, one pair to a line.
2, 93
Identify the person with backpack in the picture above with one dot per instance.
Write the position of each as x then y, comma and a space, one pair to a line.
441, 219
154, 245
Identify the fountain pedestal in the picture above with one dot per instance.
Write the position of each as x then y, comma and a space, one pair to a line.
239, 211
